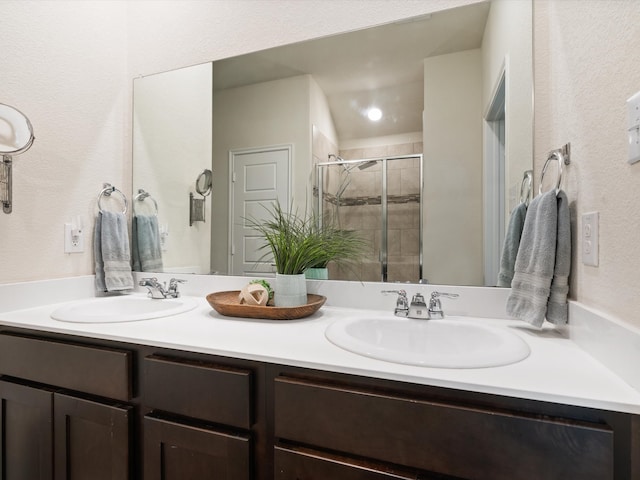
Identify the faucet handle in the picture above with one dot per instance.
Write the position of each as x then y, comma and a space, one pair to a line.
435, 307
148, 282
173, 286
402, 303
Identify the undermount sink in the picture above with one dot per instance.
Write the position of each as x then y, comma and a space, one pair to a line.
124, 308
448, 343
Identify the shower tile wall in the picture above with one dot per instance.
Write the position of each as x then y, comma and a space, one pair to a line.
360, 211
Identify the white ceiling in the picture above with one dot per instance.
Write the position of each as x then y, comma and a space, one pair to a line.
380, 66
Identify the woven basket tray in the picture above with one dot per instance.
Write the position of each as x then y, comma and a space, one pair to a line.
227, 303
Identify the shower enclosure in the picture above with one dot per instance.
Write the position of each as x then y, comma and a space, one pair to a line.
382, 199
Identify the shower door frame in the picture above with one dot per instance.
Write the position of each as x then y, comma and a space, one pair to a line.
383, 204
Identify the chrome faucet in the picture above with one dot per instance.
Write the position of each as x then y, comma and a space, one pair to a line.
435, 307
158, 290
418, 308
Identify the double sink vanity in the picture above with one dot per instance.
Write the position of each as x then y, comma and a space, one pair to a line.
129, 387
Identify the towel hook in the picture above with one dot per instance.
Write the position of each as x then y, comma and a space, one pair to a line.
562, 156
141, 196
106, 191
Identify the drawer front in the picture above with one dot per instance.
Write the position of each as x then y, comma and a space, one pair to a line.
299, 464
198, 390
95, 370
174, 451
447, 439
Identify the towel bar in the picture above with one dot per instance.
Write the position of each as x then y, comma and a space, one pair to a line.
141, 197
106, 191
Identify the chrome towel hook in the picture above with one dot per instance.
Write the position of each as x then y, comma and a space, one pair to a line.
106, 191
563, 157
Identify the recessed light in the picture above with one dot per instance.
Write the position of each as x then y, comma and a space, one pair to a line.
374, 114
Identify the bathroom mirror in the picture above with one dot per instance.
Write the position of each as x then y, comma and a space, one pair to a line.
308, 99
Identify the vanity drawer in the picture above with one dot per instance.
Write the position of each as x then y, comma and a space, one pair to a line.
437, 437
95, 370
199, 390
295, 464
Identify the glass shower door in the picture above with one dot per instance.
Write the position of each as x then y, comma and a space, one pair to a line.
381, 199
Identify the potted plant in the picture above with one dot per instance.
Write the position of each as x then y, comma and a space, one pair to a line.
298, 243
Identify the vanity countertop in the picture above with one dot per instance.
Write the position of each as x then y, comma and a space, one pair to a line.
557, 370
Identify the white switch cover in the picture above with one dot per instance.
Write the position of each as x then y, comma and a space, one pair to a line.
73, 243
590, 237
633, 126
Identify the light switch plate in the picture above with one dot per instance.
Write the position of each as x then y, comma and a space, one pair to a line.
71, 246
590, 238
633, 127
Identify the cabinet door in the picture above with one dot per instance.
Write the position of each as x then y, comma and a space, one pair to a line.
174, 451
26, 426
92, 440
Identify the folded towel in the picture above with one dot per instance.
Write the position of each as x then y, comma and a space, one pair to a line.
511, 244
111, 253
147, 254
544, 255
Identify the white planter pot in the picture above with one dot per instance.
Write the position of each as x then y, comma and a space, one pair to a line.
290, 290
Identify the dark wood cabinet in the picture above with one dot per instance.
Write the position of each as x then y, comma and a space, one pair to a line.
92, 439
434, 436
201, 419
179, 451
161, 414
53, 424
26, 423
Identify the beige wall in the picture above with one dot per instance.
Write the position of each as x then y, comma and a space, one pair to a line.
69, 65
63, 64
586, 57
453, 169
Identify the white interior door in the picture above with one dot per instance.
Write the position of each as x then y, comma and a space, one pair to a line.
259, 177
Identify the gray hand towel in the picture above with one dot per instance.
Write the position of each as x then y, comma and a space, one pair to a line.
111, 251
147, 253
511, 244
536, 260
557, 308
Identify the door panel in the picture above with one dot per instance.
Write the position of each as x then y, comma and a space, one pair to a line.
27, 437
174, 451
259, 177
92, 440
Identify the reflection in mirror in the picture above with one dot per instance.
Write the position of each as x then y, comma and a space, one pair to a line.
454, 86
172, 142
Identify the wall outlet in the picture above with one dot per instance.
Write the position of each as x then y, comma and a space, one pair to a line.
590, 236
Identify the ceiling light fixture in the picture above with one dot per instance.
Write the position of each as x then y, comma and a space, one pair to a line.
374, 114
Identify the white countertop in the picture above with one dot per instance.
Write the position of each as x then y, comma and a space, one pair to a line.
557, 370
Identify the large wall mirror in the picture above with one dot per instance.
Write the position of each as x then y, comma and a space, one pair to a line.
453, 145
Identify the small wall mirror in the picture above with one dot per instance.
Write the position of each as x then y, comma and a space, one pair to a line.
16, 137
204, 182
16, 133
